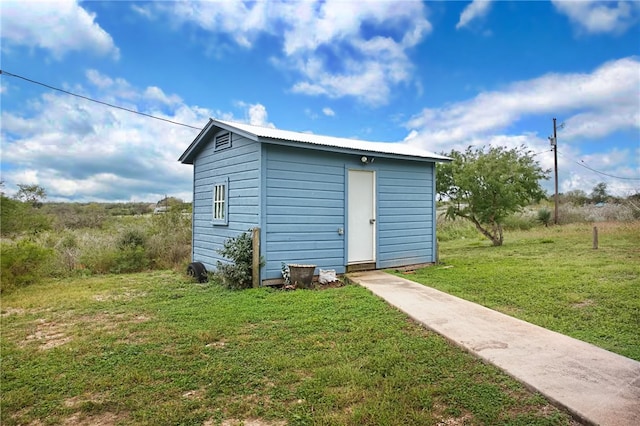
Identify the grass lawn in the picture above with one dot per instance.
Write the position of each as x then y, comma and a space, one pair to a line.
155, 349
553, 277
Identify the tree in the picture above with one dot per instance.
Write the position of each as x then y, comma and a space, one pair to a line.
32, 194
576, 197
19, 215
599, 193
487, 187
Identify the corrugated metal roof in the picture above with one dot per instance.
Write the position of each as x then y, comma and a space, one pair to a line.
396, 148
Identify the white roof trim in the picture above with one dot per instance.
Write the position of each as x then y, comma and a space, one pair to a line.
396, 148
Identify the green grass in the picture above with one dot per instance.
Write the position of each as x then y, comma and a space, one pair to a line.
553, 277
156, 349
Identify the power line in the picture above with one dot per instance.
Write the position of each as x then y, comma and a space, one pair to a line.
542, 152
583, 164
95, 100
603, 173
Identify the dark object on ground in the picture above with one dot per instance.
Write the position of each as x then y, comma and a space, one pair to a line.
198, 271
301, 275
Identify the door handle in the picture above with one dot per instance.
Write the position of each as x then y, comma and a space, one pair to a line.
372, 221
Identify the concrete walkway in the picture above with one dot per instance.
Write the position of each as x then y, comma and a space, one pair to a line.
595, 385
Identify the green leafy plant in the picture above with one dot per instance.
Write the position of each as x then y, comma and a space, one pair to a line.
23, 263
544, 217
238, 273
17, 217
31, 194
599, 193
169, 243
131, 238
486, 187
286, 273
132, 256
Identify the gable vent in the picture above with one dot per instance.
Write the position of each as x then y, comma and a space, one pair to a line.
223, 141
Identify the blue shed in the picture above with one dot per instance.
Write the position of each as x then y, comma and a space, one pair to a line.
337, 203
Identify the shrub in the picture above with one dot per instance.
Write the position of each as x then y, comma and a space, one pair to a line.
169, 245
23, 263
131, 255
131, 238
98, 251
12, 216
544, 216
449, 230
239, 250
67, 252
610, 212
519, 222
169, 250
77, 216
17, 217
86, 240
131, 259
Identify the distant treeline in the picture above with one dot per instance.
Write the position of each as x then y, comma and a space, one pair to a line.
41, 239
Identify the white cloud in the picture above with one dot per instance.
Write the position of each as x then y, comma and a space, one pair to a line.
597, 16
82, 151
576, 171
328, 112
601, 102
156, 94
321, 42
338, 48
477, 9
594, 105
33, 24
258, 116
243, 21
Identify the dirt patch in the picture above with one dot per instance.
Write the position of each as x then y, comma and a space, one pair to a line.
216, 345
81, 419
127, 295
50, 334
463, 419
102, 419
585, 303
196, 394
247, 422
78, 418
334, 284
47, 334
77, 401
456, 421
12, 311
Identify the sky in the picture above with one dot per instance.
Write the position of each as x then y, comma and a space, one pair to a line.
439, 75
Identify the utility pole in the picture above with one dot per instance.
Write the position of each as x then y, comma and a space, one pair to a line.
554, 144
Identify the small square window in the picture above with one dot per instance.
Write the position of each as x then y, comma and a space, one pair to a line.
221, 202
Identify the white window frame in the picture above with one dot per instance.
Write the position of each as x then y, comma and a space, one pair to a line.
220, 202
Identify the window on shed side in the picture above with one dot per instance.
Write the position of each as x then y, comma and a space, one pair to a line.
221, 202
222, 141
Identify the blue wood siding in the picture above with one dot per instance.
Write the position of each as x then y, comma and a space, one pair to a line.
405, 213
298, 197
241, 165
305, 207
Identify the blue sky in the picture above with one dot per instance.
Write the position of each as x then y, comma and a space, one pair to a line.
439, 75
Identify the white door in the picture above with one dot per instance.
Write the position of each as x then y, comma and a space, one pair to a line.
361, 208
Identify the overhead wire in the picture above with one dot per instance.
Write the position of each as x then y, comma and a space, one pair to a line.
48, 86
3, 72
542, 152
583, 164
